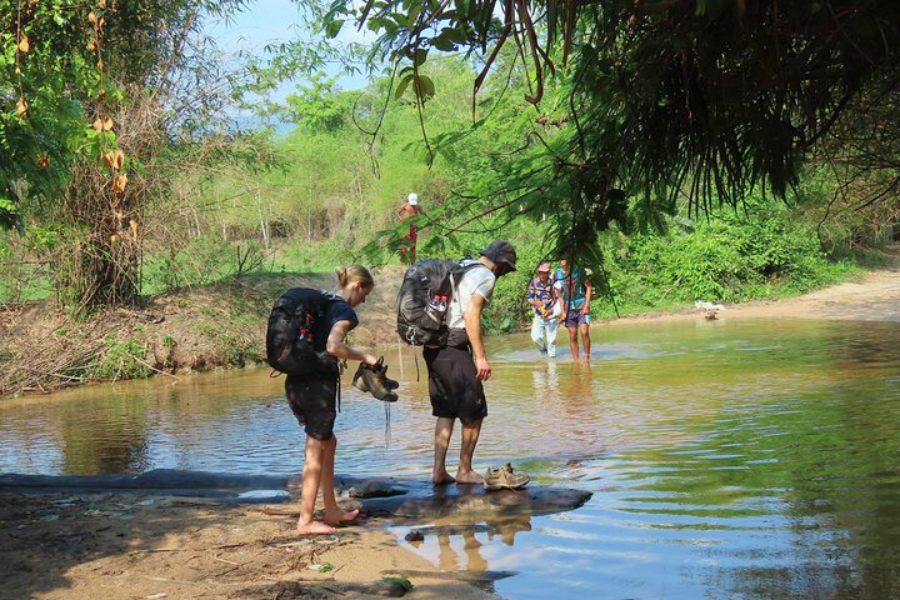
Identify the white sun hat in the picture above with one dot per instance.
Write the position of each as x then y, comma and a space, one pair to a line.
413, 199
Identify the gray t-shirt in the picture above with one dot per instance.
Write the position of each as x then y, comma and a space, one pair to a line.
477, 280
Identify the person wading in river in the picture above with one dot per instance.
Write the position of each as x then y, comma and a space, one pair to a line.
456, 371
576, 291
543, 297
313, 401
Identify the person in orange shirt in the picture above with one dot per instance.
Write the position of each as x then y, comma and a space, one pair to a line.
409, 209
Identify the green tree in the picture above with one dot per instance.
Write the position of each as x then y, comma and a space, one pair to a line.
702, 99
92, 92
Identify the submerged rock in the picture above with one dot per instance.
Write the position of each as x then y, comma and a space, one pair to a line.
407, 498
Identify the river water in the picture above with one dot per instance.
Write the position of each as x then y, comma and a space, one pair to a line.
744, 459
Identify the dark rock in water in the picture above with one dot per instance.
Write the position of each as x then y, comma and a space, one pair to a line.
474, 577
394, 590
427, 502
158, 482
415, 536
412, 499
389, 587
574, 462
375, 488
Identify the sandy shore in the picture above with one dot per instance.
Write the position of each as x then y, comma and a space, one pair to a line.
874, 297
130, 547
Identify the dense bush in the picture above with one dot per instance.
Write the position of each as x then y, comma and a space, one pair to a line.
767, 252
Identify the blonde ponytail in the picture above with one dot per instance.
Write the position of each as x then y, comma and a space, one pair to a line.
348, 275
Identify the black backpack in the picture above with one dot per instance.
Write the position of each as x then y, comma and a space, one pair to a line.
424, 301
295, 340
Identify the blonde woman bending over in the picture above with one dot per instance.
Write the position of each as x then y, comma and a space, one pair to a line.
313, 399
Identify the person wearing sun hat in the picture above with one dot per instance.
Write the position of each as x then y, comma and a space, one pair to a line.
543, 297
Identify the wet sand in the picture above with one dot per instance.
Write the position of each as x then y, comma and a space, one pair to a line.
124, 547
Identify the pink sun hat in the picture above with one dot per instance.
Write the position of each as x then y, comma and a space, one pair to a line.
544, 268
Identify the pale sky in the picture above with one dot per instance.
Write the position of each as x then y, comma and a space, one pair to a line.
269, 21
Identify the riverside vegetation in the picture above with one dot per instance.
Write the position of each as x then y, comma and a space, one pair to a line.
217, 220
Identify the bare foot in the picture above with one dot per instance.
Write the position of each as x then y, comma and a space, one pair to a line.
333, 518
442, 478
469, 478
314, 528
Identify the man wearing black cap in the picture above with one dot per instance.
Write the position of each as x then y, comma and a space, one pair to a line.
457, 370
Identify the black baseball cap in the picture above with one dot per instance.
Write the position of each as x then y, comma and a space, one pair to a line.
501, 252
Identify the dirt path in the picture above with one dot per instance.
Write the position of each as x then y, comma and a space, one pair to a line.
874, 297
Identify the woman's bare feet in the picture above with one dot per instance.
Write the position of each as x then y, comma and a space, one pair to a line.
338, 516
469, 478
442, 478
314, 528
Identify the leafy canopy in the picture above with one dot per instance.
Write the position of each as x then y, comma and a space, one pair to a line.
700, 99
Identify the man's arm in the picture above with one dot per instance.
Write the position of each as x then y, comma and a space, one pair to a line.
336, 347
588, 293
473, 330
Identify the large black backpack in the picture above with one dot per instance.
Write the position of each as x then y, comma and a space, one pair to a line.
295, 340
424, 301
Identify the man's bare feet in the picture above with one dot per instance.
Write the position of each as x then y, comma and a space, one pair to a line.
314, 528
442, 478
338, 516
469, 478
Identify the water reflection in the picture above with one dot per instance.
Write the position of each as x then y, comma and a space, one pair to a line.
741, 459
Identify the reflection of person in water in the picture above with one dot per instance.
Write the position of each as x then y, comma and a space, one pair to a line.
505, 527
508, 527
448, 559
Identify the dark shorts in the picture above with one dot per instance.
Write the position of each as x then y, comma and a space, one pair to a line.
455, 392
313, 402
575, 318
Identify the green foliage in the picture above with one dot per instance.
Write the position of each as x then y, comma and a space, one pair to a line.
121, 360
326, 567
406, 583
169, 342
202, 260
319, 107
766, 252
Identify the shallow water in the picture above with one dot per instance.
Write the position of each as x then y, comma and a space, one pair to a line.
745, 459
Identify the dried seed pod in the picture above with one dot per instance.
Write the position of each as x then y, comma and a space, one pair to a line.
114, 159
22, 108
24, 45
120, 181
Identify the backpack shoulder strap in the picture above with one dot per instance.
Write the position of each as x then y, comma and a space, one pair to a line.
456, 276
